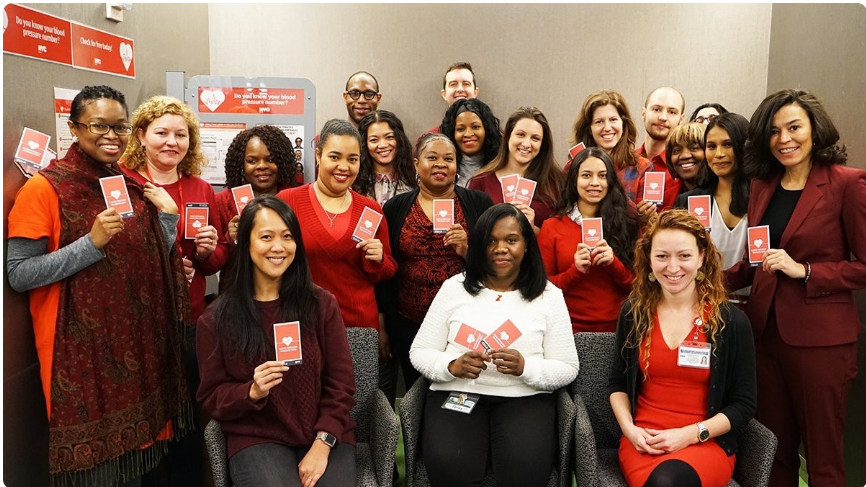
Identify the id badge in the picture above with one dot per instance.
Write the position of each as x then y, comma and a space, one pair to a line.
695, 355
462, 402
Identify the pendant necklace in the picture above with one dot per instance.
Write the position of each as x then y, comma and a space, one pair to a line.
328, 214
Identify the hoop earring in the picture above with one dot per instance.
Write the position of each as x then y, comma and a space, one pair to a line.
651, 277
700, 275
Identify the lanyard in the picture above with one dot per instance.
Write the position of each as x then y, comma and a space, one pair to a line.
181, 206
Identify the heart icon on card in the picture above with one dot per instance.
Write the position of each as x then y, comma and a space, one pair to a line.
245, 199
212, 99
115, 193
510, 188
758, 242
368, 223
654, 185
470, 338
287, 341
196, 224
443, 213
524, 191
699, 211
504, 335
591, 232
33, 144
126, 54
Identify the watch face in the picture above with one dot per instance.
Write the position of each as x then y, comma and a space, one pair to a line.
328, 438
705, 435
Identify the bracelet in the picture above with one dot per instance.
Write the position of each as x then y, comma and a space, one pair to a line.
808, 272
198, 257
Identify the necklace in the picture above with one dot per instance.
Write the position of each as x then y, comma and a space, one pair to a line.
327, 213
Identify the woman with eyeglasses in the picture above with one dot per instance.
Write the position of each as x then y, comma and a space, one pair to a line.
707, 112
107, 298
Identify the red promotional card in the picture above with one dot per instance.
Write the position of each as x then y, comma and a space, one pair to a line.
195, 218
525, 191
468, 337
116, 195
700, 206
31, 148
367, 225
243, 195
509, 186
443, 215
287, 342
505, 335
574, 151
654, 187
759, 242
593, 232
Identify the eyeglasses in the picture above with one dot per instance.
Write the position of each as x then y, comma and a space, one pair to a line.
103, 128
368, 95
707, 119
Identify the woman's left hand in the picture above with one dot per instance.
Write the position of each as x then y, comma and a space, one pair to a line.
313, 465
507, 361
373, 249
456, 238
205, 242
160, 198
233, 228
674, 439
646, 209
528, 212
779, 260
602, 254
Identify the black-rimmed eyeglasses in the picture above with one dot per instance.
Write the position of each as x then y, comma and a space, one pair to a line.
97, 128
368, 95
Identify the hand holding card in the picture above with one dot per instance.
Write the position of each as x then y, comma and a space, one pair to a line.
700, 206
593, 232
287, 341
243, 195
116, 195
509, 187
196, 217
758, 240
654, 187
443, 215
367, 225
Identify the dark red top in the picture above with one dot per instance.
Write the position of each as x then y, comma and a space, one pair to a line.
489, 183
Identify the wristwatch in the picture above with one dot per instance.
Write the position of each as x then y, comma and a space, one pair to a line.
703, 432
327, 438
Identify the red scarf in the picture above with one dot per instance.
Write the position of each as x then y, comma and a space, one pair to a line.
117, 375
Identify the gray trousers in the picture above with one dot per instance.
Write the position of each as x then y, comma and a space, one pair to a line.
273, 465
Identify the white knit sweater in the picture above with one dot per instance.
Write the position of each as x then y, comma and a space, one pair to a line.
546, 343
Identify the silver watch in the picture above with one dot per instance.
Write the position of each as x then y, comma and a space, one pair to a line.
703, 432
327, 438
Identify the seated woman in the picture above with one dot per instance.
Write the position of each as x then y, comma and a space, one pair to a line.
283, 425
685, 160
707, 112
386, 158
595, 281
474, 130
683, 377
527, 151
501, 394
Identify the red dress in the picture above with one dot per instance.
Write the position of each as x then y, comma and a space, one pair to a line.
672, 397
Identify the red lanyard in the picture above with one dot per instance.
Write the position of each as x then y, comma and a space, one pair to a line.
181, 207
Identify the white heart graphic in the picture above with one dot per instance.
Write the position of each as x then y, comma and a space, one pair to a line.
699, 211
510, 188
758, 242
443, 213
591, 232
504, 335
524, 191
654, 185
33, 144
368, 223
245, 199
212, 99
287, 341
115, 193
470, 338
196, 224
126, 54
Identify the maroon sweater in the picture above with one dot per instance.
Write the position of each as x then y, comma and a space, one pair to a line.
316, 395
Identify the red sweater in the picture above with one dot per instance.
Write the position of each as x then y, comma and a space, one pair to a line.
316, 395
337, 265
195, 190
593, 299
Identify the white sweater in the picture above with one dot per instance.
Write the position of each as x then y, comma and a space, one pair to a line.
546, 342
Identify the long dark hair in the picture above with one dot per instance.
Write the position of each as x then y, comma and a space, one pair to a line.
236, 316
532, 278
737, 127
760, 162
404, 169
619, 218
278, 145
492, 136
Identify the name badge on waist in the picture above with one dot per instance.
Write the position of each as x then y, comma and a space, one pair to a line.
694, 354
461, 402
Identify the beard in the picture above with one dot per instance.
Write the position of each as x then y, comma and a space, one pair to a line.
655, 134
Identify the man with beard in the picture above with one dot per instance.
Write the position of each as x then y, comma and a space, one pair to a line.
662, 111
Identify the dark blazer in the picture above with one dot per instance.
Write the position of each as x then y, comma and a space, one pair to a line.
828, 226
733, 387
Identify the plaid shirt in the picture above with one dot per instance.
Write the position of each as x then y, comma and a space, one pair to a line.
632, 178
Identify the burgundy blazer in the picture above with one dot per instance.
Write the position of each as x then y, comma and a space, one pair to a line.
828, 226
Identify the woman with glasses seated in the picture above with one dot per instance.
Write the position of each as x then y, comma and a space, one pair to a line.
707, 112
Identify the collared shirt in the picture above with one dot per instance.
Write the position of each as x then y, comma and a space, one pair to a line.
659, 161
575, 216
384, 187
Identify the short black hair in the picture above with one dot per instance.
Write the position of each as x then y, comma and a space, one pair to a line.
95, 93
362, 72
719, 108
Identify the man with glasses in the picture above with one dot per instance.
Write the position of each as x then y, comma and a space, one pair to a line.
361, 96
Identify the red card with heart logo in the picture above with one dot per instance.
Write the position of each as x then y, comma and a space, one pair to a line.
575, 150
700, 206
525, 191
509, 186
759, 242
287, 342
505, 335
116, 195
654, 187
31, 148
593, 232
195, 217
443, 215
243, 195
468, 337
367, 225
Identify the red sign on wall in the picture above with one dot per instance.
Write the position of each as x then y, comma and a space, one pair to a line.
97, 50
263, 101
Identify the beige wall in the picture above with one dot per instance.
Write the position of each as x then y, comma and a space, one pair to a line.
709, 52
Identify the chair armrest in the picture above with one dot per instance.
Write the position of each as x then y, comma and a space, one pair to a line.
585, 455
411, 415
383, 437
215, 441
565, 414
757, 447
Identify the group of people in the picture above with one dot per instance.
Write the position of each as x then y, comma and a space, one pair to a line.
131, 354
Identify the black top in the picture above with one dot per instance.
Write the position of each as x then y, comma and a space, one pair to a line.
779, 212
733, 387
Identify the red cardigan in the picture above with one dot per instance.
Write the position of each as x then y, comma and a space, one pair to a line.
593, 299
337, 265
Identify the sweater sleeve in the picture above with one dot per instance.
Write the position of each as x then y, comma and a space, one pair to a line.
428, 353
29, 266
218, 258
620, 273
338, 377
168, 223
741, 389
617, 381
547, 241
560, 364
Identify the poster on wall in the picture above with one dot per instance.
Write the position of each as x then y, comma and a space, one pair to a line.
62, 106
216, 137
258, 101
295, 133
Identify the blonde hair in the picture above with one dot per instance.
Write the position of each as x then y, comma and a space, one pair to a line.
684, 135
646, 295
134, 158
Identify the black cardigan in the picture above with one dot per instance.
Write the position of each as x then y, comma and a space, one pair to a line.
396, 210
733, 388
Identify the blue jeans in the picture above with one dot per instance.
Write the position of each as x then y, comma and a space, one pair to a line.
273, 465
